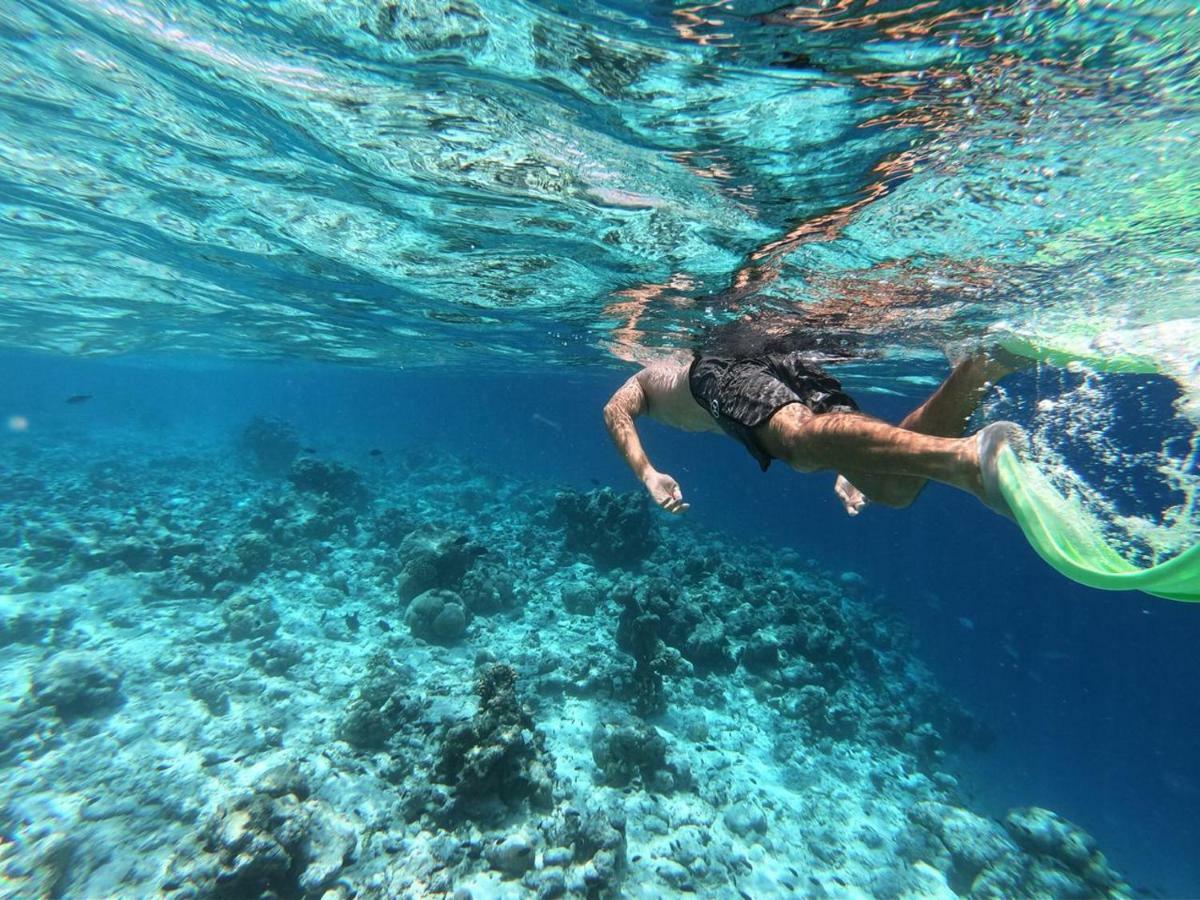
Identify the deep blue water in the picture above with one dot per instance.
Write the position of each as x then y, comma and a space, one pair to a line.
1094, 697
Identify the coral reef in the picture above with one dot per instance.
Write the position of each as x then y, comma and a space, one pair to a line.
76, 683
270, 444
330, 479
615, 530
496, 689
437, 615
434, 559
495, 761
273, 841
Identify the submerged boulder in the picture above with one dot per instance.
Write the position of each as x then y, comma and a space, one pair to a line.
248, 616
495, 762
1065, 854
383, 704
435, 559
614, 529
623, 753
437, 615
77, 683
332, 479
270, 444
263, 844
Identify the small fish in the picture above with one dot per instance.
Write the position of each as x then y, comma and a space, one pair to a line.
352, 621
966, 623
384, 625
375, 451
549, 423
595, 482
79, 398
309, 450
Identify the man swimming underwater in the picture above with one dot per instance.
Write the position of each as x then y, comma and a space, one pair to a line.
779, 405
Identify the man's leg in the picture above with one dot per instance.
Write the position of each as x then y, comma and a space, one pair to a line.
857, 443
945, 414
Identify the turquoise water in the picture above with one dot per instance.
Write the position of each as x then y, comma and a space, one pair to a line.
523, 183
300, 298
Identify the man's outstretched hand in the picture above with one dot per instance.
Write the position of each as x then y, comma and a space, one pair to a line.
852, 498
665, 491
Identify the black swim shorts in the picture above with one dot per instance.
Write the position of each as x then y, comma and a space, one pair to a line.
743, 393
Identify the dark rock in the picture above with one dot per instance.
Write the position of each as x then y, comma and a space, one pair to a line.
382, 706
392, 525
580, 598
762, 654
652, 660
1059, 847
270, 444
514, 855
77, 683
707, 647
131, 554
280, 780
276, 657
487, 588
437, 615
247, 616
744, 818
35, 626
614, 529
209, 691
251, 554
260, 845
435, 559
641, 633
597, 841
625, 752
496, 761
331, 479
18, 721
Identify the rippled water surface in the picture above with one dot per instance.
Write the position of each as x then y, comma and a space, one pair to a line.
425, 182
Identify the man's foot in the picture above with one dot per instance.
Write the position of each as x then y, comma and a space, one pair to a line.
989, 442
852, 498
990, 360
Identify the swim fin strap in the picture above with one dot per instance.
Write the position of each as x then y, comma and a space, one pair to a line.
1067, 537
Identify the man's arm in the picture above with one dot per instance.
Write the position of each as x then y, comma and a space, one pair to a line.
623, 407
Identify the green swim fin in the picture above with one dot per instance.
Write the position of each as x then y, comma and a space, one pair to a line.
1067, 537
1063, 352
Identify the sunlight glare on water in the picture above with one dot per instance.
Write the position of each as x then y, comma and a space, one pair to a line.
346, 180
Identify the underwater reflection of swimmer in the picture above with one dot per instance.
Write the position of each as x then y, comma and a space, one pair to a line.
779, 405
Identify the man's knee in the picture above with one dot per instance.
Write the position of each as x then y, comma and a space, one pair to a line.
797, 440
897, 495
896, 500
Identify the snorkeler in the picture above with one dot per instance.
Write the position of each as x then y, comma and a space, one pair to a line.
779, 405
